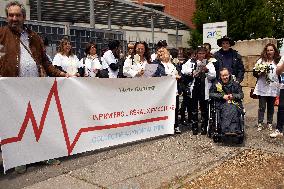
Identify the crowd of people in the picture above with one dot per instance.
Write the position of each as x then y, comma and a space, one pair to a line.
202, 76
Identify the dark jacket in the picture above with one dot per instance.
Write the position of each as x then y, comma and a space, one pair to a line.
160, 69
9, 63
161, 72
231, 87
238, 69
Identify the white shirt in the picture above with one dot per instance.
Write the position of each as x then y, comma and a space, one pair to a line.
28, 67
109, 59
68, 64
264, 88
131, 68
187, 68
170, 69
92, 65
153, 57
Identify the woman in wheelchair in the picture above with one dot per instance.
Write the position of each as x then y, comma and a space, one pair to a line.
227, 96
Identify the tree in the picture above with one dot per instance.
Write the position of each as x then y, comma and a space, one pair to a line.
277, 9
247, 19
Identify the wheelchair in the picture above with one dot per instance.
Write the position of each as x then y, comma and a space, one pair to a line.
214, 129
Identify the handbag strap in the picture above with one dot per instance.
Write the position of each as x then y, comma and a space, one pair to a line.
29, 51
40, 67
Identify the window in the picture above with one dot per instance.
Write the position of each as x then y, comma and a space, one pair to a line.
158, 7
172, 40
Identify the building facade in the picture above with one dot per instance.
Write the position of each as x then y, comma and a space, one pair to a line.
180, 9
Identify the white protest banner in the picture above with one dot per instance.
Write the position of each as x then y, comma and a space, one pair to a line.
214, 31
45, 118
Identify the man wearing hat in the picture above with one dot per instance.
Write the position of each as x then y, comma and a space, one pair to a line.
229, 58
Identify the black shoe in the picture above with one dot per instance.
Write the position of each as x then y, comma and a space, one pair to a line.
195, 131
203, 131
177, 130
183, 122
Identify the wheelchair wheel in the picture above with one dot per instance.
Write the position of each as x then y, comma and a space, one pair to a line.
216, 138
209, 131
240, 139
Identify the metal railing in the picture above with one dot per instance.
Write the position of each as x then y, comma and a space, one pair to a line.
79, 36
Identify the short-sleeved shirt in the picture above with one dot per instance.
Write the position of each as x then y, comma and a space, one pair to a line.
68, 64
268, 88
110, 59
91, 64
131, 68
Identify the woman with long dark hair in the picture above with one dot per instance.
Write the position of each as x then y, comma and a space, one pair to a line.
135, 64
267, 81
91, 63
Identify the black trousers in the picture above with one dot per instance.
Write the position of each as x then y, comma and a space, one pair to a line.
176, 111
280, 113
198, 96
263, 100
194, 113
185, 107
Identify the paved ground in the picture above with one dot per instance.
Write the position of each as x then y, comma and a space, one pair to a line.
154, 163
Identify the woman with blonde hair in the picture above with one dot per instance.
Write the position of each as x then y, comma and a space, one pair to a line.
65, 59
167, 68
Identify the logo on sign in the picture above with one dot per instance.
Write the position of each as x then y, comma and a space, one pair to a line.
214, 34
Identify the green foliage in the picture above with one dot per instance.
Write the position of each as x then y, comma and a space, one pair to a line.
196, 39
277, 9
247, 19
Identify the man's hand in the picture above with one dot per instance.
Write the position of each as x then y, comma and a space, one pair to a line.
261, 74
63, 74
205, 69
226, 97
178, 76
95, 70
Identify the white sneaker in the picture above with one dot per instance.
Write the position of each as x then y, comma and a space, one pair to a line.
276, 133
269, 126
259, 127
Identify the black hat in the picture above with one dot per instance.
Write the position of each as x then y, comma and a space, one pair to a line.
225, 38
162, 43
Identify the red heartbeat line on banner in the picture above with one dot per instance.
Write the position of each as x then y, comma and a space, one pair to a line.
70, 146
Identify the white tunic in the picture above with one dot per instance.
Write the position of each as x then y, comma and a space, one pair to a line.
109, 59
68, 64
132, 68
92, 65
264, 88
153, 57
170, 69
